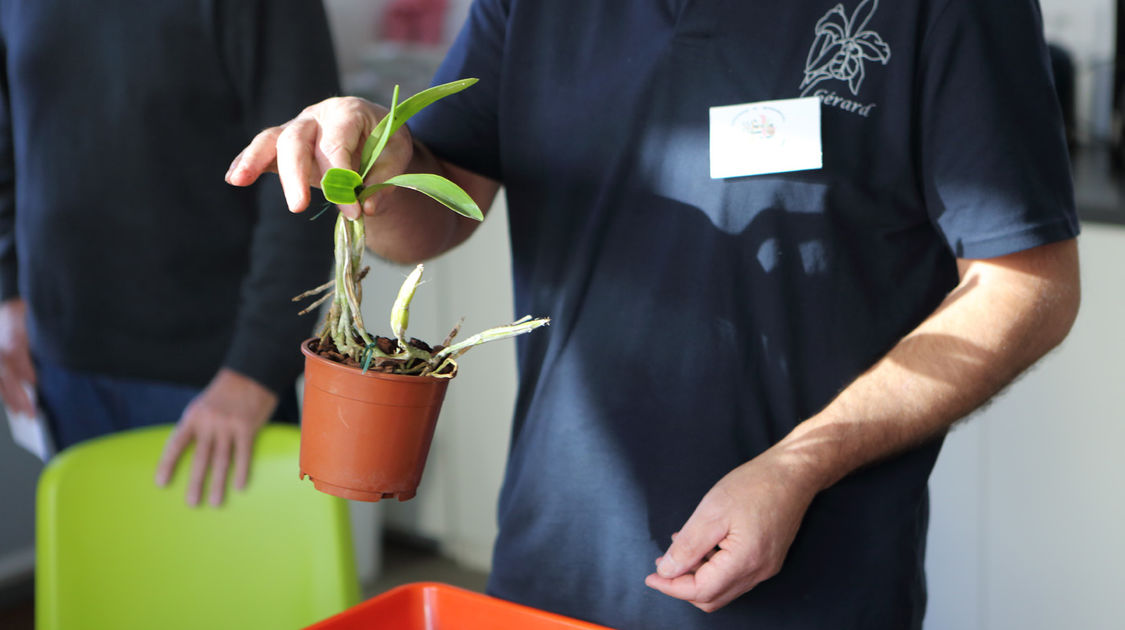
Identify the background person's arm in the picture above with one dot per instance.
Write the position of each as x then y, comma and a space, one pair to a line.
1004, 315
279, 55
16, 368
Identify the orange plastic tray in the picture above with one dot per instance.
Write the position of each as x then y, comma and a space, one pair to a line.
434, 606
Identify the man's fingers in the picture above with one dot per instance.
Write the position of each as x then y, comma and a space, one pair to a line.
173, 448
14, 394
328, 134
17, 374
220, 467
707, 557
720, 579
199, 463
18, 364
703, 587
682, 587
243, 450
260, 156
699, 536
711, 586
296, 163
344, 125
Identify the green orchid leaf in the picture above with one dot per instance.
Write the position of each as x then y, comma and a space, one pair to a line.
405, 110
339, 185
437, 187
384, 136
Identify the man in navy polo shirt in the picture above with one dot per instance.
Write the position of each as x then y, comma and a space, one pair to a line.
766, 311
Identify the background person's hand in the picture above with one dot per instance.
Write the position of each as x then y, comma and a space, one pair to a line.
326, 135
738, 536
222, 420
16, 368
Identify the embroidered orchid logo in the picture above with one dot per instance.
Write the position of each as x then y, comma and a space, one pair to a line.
842, 45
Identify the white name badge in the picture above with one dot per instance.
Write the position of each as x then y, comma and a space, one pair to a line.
765, 137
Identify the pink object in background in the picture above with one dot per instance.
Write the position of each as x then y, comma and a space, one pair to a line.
413, 22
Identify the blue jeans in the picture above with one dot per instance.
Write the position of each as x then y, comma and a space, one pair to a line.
79, 406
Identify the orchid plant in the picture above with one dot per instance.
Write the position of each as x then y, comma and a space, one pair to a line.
344, 333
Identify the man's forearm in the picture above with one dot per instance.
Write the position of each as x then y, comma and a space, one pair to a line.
1005, 314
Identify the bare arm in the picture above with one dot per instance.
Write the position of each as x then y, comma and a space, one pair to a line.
1004, 315
402, 225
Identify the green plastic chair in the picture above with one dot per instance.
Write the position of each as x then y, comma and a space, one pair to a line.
116, 552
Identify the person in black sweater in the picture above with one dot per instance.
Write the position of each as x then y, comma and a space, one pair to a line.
137, 287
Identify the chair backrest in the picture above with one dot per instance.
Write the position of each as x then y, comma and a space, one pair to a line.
114, 551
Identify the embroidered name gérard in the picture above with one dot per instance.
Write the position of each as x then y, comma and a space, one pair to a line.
832, 99
842, 46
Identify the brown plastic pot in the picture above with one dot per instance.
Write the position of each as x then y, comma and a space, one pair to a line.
365, 436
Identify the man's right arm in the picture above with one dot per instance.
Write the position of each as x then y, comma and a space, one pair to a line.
402, 225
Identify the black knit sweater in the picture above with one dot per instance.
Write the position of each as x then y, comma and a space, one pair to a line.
117, 123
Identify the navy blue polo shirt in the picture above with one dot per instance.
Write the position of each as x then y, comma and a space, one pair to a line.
696, 321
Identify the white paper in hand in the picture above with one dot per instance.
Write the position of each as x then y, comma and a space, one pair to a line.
30, 431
